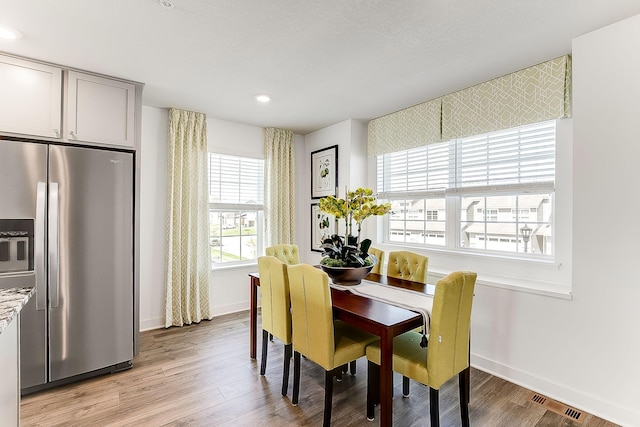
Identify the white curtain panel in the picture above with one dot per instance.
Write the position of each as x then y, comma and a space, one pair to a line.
279, 181
187, 238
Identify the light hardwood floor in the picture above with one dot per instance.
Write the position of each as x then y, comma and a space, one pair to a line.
201, 375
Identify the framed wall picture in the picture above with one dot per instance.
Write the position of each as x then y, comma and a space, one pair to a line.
324, 172
322, 227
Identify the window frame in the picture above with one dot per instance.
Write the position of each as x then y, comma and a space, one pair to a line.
454, 193
238, 208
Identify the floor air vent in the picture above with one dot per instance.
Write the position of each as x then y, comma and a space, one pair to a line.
557, 407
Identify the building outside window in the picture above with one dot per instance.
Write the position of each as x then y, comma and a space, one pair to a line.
499, 188
235, 208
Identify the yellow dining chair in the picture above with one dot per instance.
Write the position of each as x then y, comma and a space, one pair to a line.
379, 254
287, 253
408, 266
447, 353
330, 343
276, 313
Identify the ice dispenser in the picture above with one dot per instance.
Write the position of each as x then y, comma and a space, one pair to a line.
16, 245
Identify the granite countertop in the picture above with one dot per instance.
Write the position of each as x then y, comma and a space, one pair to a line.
11, 302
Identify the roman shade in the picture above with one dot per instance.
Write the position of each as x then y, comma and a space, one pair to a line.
409, 128
535, 94
532, 95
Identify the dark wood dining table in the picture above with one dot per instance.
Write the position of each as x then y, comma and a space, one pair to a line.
379, 318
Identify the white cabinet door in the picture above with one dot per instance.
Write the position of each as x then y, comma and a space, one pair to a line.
30, 97
10, 384
100, 110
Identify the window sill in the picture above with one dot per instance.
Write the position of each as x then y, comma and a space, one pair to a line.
537, 260
236, 266
538, 276
518, 284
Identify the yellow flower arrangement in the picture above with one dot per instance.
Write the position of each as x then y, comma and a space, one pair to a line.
357, 206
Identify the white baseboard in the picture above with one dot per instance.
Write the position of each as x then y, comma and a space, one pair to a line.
149, 324
158, 323
609, 411
229, 309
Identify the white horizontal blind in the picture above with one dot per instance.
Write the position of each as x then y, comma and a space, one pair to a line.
417, 171
235, 181
508, 159
523, 155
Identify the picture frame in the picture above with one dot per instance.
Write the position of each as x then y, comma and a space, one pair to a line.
322, 227
324, 172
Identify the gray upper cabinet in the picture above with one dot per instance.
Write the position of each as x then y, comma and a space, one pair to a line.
100, 110
45, 101
30, 98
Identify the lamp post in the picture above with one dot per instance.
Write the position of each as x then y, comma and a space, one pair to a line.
526, 234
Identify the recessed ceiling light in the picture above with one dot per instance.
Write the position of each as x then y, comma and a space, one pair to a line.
166, 4
9, 33
264, 98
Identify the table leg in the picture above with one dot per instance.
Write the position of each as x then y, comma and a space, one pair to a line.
386, 380
253, 315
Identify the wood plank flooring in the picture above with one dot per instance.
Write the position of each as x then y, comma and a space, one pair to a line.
201, 375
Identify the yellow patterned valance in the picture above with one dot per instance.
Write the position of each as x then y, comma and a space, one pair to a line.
409, 128
532, 95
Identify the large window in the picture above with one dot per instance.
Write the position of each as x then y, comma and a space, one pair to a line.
491, 192
235, 208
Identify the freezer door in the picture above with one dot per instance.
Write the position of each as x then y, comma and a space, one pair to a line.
90, 259
23, 176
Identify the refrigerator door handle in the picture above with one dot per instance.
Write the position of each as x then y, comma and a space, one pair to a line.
54, 255
39, 249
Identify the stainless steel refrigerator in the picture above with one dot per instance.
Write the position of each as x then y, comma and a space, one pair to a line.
66, 227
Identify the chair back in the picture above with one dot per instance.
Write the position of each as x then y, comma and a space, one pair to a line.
379, 254
312, 314
287, 253
408, 266
275, 297
448, 349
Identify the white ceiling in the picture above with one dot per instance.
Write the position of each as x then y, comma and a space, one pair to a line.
321, 61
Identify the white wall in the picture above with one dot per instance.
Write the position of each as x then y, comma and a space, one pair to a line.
601, 356
153, 190
351, 138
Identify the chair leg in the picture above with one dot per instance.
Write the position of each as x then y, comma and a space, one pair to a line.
352, 367
405, 386
263, 362
328, 395
463, 383
434, 407
373, 388
467, 377
285, 369
271, 337
296, 378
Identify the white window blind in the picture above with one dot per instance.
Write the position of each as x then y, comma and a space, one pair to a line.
504, 159
235, 181
417, 171
524, 155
